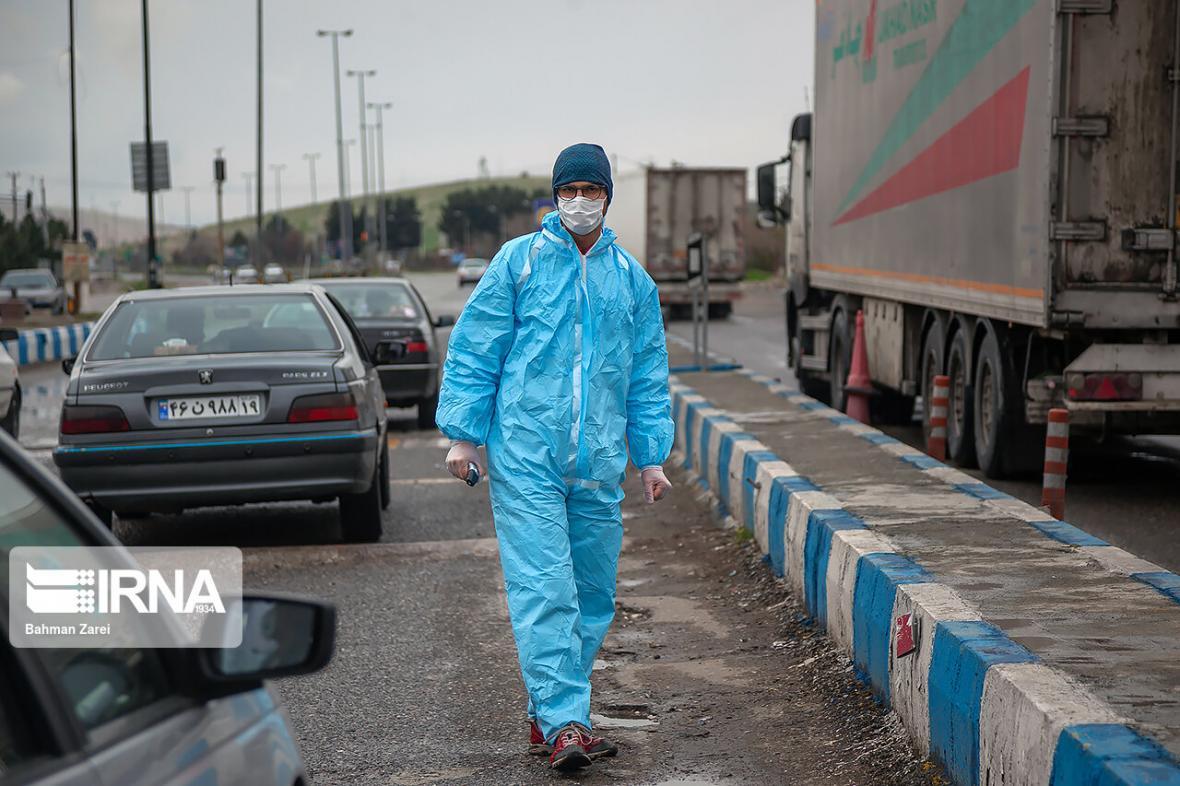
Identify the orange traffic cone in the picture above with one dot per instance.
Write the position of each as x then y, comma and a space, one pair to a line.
859, 387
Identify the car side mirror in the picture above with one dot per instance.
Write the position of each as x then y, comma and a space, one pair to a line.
282, 636
444, 320
67, 365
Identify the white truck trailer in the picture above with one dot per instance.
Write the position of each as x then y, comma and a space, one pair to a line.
994, 183
655, 210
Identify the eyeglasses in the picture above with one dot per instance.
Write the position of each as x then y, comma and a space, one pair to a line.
590, 192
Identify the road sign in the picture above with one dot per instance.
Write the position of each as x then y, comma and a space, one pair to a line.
219, 169
75, 262
161, 178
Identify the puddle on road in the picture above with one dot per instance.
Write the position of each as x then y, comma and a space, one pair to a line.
603, 722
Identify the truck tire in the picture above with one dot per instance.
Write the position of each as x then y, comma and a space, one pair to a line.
1004, 443
807, 380
360, 514
839, 359
960, 420
720, 310
933, 352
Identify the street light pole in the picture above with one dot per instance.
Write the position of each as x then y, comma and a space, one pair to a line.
73, 135
278, 170
360, 83
258, 150
345, 207
188, 221
311, 158
249, 177
150, 272
379, 107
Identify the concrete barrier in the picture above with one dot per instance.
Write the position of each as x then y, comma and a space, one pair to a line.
47, 345
972, 698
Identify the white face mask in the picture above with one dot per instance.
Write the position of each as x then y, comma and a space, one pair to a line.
580, 214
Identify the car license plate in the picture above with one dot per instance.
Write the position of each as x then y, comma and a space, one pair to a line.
233, 406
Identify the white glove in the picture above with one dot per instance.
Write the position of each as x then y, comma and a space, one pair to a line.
655, 484
459, 456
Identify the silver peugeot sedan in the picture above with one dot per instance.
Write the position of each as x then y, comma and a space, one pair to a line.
206, 396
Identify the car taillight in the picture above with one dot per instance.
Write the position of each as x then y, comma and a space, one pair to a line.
92, 420
1104, 387
319, 408
416, 346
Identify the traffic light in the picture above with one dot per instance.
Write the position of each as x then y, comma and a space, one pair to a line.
219, 169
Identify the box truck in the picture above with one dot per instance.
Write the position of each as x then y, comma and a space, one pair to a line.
655, 210
994, 184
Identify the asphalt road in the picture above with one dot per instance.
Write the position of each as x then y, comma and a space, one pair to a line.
1126, 492
709, 675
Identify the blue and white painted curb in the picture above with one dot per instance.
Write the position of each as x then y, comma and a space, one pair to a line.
45, 345
972, 698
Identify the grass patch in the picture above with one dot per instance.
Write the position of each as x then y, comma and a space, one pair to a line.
757, 274
743, 535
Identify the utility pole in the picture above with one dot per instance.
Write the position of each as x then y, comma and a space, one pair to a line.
14, 176
188, 221
44, 208
115, 239
258, 153
379, 107
278, 170
150, 273
73, 137
347, 144
360, 83
345, 206
311, 158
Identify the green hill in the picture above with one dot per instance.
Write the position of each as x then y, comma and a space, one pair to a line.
310, 218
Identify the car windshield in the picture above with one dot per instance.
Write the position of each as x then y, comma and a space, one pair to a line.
27, 279
375, 301
475, 263
214, 325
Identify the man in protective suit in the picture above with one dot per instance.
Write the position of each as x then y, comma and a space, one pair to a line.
558, 365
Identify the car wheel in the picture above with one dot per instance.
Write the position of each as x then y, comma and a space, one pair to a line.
383, 475
11, 421
360, 514
102, 514
960, 442
427, 408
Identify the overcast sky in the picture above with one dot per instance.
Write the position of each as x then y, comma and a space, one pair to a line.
704, 82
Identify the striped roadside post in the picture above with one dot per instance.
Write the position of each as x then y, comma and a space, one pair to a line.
936, 433
1056, 459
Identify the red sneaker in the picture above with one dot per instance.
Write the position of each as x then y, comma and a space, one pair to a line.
537, 744
568, 753
597, 747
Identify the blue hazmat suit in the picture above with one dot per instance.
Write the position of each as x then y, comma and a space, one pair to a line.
559, 367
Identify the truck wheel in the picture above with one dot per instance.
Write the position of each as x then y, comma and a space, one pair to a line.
960, 444
933, 351
839, 360
427, 408
360, 514
1004, 443
720, 310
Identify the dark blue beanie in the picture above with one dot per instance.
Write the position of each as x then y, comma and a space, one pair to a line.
582, 161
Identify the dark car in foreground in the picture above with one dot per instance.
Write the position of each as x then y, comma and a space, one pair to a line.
395, 322
226, 395
142, 715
